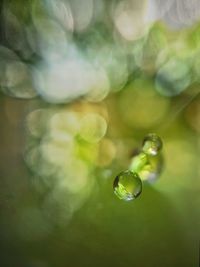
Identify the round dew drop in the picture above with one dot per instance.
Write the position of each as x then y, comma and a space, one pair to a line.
127, 185
152, 144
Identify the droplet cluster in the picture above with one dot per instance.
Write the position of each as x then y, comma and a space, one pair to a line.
145, 167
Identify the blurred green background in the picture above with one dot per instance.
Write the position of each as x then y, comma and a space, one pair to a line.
81, 84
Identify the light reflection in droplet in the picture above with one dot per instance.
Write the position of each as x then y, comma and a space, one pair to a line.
152, 144
127, 186
148, 167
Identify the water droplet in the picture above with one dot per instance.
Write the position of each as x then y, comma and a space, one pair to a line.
148, 167
152, 144
127, 185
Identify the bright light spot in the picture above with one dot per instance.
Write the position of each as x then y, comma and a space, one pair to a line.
177, 14
99, 85
63, 81
52, 39
62, 12
93, 127
56, 152
82, 13
64, 125
158, 8
113, 60
75, 177
129, 21
173, 77
36, 122
15, 76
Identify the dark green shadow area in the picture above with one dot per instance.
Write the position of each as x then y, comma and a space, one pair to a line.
105, 231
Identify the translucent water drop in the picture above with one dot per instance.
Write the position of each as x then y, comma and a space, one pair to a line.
152, 144
148, 167
127, 185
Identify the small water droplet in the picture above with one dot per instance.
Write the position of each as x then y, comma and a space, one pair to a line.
152, 144
127, 185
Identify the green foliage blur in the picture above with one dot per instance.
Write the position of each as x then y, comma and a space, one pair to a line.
81, 84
